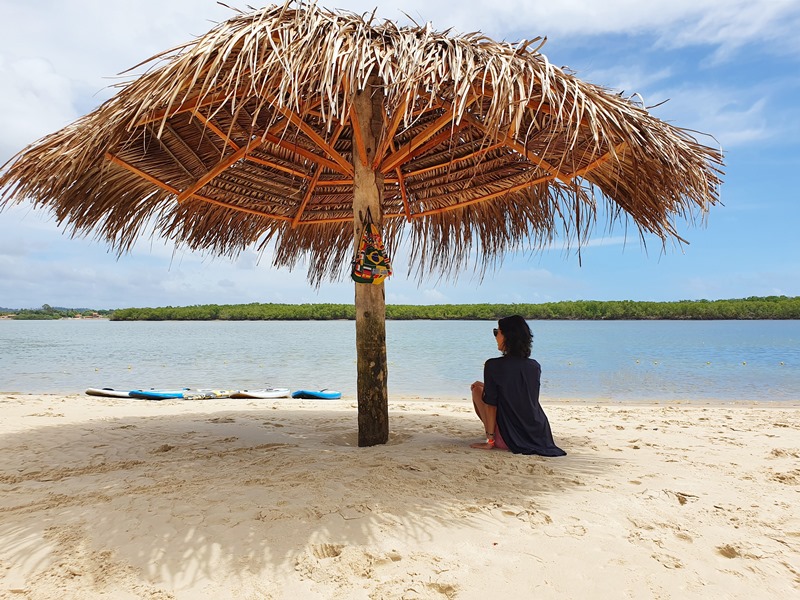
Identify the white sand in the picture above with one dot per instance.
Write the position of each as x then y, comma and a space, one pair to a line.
242, 499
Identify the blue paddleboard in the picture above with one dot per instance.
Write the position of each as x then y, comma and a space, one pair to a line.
317, 394
185, 394
157, 394
151, 394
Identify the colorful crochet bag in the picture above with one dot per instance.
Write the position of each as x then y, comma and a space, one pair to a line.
371, 263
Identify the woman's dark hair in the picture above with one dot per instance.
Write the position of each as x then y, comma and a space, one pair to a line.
517, 335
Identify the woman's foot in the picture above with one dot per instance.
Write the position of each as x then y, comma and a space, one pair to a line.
482, 445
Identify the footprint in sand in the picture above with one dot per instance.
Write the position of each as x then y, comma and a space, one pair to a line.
575, 530
327, 550
780, 453
670, 562
788, 478
222, 420
682, 497
728, 551
342, 563
535, 518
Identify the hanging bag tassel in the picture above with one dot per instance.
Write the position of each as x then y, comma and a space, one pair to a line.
371, 263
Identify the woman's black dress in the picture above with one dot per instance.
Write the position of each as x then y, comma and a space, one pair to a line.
512, 385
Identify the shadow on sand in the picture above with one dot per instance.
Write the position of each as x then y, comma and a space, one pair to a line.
171, 501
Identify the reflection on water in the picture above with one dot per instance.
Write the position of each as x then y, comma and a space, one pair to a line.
617, 360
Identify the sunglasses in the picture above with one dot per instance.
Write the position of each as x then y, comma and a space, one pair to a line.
495, 331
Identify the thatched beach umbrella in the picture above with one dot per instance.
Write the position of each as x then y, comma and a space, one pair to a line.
283, 126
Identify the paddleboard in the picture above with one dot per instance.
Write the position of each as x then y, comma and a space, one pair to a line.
206, 394
109, 392
157, 394
317, 394
265, 393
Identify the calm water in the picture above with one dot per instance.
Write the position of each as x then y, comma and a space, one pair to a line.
621, 360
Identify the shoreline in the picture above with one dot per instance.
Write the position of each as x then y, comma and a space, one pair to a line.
452, 398
241, 499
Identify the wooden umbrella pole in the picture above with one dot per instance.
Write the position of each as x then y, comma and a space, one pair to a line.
370, 300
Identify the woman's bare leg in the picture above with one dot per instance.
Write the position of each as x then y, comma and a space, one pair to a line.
477, 400
486, 413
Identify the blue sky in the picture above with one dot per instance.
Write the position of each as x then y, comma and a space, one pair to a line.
727, 67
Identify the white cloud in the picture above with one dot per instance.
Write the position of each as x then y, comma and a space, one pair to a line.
617, 240
727, 24
35, 101
735, 116
732, 25
704, 100
629, 77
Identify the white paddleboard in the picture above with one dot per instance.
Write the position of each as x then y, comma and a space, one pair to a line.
109, 392
206, 394
263, 394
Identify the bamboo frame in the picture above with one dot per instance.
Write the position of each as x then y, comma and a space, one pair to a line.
313, 183
220, 167
317, 139
165, 186
388, 134
406, 152
212, 126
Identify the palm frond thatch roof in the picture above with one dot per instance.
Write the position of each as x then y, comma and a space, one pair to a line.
246, 136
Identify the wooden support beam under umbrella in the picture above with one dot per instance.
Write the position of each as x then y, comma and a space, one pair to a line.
285, 125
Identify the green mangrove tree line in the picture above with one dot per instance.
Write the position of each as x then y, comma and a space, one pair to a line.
771, 307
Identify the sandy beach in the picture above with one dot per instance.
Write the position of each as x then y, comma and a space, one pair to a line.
271, 499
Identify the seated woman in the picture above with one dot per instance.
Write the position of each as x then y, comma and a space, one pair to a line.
507, 401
